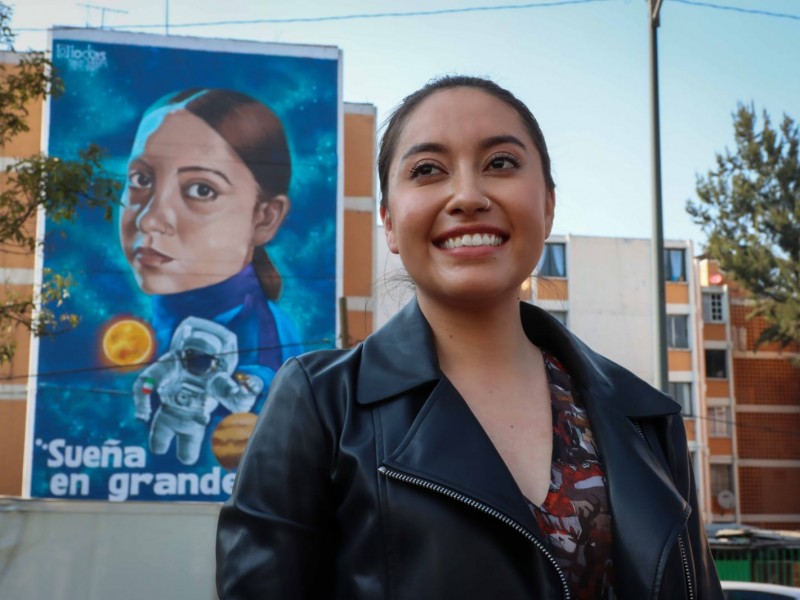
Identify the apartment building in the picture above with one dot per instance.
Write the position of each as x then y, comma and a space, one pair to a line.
741, 406
753, 410
601, 288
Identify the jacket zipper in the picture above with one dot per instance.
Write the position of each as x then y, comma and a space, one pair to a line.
435, 487
681, 547
685, 561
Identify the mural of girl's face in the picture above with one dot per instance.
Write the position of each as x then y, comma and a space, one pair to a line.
192, 211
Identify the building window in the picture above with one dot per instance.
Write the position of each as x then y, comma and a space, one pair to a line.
553, 262
721, 481
681, 392
677, 331
560, 315
719, 421
675, 264
712, 308
716, 364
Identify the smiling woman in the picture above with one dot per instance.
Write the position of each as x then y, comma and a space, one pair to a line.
482, 176
472, 447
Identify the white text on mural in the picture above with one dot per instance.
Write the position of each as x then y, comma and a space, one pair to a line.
124, 485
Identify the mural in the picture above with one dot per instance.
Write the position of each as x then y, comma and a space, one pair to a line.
219, 263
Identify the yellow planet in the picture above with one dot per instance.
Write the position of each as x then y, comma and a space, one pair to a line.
230, 437
128, 342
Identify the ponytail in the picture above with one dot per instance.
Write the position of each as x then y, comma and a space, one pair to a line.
267, 274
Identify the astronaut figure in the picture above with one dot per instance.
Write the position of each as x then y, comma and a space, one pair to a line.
194, 377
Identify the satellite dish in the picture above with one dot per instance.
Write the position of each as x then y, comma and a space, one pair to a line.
715, 279
726, 499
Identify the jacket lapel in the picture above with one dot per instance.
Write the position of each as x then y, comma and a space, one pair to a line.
647, 511
446, 445
398, 357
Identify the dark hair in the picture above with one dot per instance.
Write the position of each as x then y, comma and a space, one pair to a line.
256, 135
394, 125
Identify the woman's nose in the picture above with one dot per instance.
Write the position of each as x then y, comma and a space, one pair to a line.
467, 196
157, 215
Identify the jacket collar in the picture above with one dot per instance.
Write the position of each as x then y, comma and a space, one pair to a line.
447, 446
401, 356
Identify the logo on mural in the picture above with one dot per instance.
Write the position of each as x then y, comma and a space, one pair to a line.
82, 58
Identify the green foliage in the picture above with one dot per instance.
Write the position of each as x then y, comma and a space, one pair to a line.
749, 207
35, 183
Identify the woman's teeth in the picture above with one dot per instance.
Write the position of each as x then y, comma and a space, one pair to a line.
472, 239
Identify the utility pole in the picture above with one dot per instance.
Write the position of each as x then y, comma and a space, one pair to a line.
661, 374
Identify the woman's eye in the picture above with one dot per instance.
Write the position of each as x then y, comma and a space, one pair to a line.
503, 161
138, 180
424, 169
201, 191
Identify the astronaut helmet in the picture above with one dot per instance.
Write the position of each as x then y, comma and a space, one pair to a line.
204, 346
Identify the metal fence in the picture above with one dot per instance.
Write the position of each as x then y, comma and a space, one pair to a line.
765, 565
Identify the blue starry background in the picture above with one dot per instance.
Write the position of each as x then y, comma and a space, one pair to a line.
80, 397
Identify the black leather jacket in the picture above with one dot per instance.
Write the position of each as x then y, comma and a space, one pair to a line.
368, 477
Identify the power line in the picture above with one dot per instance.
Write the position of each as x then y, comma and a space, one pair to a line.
740, 425
140, 365
751, 11
350, 17
422, 13
319, 342
736, 424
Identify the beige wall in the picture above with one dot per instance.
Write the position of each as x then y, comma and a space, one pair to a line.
679, 360
12, 440
359, 151
16, 277
29, 142
359, 219
676, 292
358, 227
548, 288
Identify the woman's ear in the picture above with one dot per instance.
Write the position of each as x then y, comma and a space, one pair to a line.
268, 217
388, 230
549, 211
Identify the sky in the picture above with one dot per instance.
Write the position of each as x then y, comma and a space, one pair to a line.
582, 66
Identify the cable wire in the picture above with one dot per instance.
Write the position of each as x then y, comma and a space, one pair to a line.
751, 11
350, 17
732, 423
419, 13
42, 375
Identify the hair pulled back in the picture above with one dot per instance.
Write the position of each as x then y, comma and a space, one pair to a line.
257, 137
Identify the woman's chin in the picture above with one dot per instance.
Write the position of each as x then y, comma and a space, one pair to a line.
465, 294
155, 285
163, 285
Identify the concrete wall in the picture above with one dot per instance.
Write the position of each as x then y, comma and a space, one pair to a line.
610, 299
71, 550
